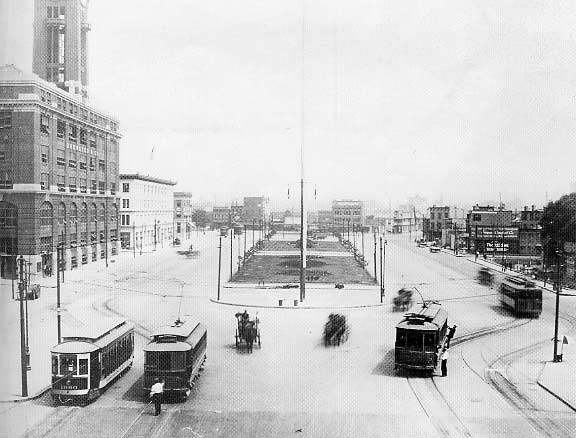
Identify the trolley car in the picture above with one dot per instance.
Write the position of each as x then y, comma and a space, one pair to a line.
85, 363
419, 337
176, 354
521, 296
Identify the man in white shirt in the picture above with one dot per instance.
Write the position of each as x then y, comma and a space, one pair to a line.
156, 393
444, 359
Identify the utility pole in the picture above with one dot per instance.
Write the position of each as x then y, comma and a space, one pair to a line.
219, 265
253, 227
134, 238
106, 229
303, 243
244, 259
362, 233
23, 358
375, 273
58, 316
557, 358
231, 253
381, 272
354, 237
348, 230
155, 238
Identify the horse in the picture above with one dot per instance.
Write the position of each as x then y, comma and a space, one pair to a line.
249, 334
335, 329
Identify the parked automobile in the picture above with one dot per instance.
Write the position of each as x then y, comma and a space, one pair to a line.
434, 248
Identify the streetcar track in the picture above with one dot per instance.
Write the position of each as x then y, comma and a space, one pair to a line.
63, 415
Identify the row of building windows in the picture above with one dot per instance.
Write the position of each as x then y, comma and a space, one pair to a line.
74, 109
347, 212
96, 187
86, 214
75, 134
75, 161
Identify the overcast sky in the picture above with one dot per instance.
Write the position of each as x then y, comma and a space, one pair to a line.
454, 100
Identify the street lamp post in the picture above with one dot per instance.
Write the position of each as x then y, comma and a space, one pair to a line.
231, 251
23, 361
219, 265
557, 358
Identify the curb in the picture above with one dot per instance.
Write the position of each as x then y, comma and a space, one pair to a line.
556, 395
31, 397
261, 306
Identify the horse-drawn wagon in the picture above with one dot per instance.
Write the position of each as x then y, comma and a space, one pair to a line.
247, 331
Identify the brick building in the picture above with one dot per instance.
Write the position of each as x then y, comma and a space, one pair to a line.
182, 215
347, 212
529, 231
58, 174
255, 211
492, 231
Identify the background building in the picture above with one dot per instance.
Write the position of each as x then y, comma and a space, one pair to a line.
147, 211
529, 231
492, 231
220, 217
182, 215
58, 174
60, 43
347, 213
254, 211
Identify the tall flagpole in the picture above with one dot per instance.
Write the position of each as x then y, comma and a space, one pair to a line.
303, 231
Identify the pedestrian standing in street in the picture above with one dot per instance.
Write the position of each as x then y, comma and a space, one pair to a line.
476, 258
444, 358
156, 394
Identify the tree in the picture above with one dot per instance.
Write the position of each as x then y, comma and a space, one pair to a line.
558, 226
200, 218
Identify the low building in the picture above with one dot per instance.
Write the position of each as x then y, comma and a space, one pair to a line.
347, 213
492, 230
438, 216
403, 222
221, 217
529, 231
147, 211
183, 224
254, 211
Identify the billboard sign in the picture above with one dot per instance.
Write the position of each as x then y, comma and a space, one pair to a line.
493, 232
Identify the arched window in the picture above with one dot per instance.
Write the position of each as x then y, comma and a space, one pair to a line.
46, 214
84, 213
93, 212
73, 213
61, 213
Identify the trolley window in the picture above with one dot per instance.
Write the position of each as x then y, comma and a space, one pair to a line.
164, 361
67, 364
414, 339
179, 360
429, 340
83, 366
54, 364
401, 338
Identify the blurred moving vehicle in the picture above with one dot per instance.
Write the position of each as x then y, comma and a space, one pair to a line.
403, 301
485, 276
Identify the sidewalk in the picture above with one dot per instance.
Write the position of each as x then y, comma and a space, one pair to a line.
559, 378
316, 298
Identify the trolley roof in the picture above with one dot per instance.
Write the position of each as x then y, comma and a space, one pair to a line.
75, 347
430, 317
520, 282
180, 330
167, 346
98, 332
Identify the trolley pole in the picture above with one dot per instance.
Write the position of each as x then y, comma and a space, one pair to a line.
557, 358
23, 364
58, 317
219, 265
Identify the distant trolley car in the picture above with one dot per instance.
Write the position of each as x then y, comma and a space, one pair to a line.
522, 296
485, 276
176, 354
419, 338
85, 363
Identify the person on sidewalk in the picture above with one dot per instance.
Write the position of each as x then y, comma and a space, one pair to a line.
444, 365
156, 394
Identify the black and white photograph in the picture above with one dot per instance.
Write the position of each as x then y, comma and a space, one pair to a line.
287, 218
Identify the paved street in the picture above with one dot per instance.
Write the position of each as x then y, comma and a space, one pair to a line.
293, 385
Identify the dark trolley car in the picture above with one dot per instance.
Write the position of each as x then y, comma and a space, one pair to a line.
84, 364
485, 277
521, 296
419, 338
176, 354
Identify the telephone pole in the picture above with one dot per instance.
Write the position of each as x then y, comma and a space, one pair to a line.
381, 272
58, 316
557, 358
219, 264
231, 253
